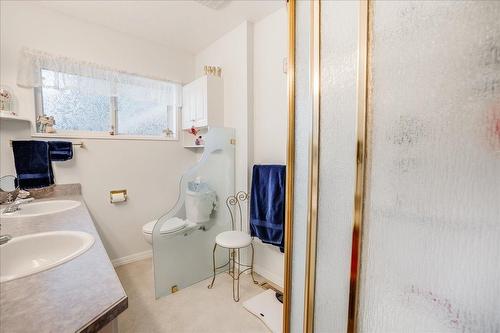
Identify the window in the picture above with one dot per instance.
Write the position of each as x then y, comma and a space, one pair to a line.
141, 116
90, 106
90, 99
72, 109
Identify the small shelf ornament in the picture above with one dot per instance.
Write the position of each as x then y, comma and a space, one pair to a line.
6, 101
194, 137
45, 124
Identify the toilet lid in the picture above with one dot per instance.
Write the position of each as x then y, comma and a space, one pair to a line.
171, 225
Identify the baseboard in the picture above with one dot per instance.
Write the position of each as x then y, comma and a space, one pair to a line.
274, 278
132, 258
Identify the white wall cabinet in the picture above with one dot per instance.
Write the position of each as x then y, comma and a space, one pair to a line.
203, 103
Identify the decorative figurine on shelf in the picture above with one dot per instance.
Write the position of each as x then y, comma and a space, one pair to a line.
193, 130
198, 138
49, 128
40, 128
168, 132
199, 141
6, 101
45, 124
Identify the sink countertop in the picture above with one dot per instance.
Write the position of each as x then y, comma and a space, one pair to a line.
81, 295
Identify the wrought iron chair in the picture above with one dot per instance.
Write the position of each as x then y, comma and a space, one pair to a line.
234, 240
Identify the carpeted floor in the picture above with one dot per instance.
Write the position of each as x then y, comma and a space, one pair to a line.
193, 309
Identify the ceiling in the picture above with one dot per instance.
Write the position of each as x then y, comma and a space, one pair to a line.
184, 25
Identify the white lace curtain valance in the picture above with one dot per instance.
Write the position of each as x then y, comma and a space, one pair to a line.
37, 69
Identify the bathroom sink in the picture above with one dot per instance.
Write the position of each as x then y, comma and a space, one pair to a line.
42, 208
33, 253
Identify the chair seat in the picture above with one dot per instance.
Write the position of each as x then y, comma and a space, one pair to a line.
233, 239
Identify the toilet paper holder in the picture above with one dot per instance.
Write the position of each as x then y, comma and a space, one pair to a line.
116, 196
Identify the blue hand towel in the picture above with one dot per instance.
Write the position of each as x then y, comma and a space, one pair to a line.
60, 150
32, 160
267, 204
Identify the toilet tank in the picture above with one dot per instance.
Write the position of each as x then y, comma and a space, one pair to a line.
200, 202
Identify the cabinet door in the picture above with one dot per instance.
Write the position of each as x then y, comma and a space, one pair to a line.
194, 110
188, 106
201, 109
198, 101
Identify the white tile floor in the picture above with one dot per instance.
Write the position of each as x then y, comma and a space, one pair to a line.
193, 309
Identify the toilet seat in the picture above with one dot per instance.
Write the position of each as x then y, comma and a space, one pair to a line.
171, 225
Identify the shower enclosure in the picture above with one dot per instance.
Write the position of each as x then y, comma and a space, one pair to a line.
431, 240
185, 257
422, 173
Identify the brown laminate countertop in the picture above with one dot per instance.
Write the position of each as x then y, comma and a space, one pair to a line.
81, 295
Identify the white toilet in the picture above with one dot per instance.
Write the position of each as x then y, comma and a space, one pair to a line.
200, 202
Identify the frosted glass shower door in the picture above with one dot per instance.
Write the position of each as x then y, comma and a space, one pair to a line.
337, 167
185, 257
431, 239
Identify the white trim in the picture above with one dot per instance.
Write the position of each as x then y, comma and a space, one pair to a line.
103, 137
274, 278
132, 258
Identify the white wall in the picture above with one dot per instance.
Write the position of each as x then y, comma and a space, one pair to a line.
149, 170
270, 117
255, 104
233, 52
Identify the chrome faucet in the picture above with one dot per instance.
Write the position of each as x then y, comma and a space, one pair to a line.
4, 238
14, 207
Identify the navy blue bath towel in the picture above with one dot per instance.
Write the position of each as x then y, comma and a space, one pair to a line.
33, 167
60, 150
267, 204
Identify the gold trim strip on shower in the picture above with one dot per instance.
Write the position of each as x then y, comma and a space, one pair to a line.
290, 169
361, 160
312, 219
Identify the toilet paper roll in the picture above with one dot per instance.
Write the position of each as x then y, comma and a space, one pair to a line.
118, 197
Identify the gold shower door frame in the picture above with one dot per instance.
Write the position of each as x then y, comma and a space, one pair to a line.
362, 129
290, 160
361, 153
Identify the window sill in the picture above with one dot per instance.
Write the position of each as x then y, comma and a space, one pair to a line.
102, 137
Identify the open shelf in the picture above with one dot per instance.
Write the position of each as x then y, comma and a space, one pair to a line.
7, 116
195, 146
188, 140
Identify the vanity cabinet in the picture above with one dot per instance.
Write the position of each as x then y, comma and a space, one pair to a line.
203, 102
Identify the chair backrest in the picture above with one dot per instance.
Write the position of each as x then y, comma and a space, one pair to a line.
233, 203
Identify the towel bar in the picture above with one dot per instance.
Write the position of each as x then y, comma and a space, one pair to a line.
74, 144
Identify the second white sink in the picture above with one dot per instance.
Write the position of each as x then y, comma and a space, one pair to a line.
39, 208
33, 253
